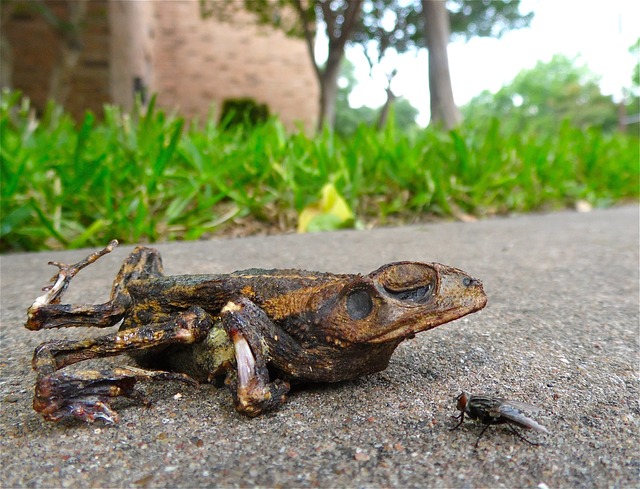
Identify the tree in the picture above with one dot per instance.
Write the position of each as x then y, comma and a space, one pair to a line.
70, 32
67, 26
437, 33
629, 111
379, 34
339, 16
390, 24
546, 94
635, 76
348, 118
404, 25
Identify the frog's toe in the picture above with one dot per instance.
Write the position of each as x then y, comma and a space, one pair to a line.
87, 409
84, 395
257, 398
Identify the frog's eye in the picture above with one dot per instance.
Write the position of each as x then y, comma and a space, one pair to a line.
416, 294
407, 282
359, 304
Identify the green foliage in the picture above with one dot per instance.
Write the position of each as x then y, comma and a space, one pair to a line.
405, 114
242, 112
635, 76
348, 118
494, 18
275, 13
149, 177
632, 95
400, 24
397, 24
544, 96
373, 24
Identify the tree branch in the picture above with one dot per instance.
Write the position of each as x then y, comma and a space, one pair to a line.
329, 19
308, 35
351, 15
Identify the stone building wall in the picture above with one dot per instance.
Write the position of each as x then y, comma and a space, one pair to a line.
166, 47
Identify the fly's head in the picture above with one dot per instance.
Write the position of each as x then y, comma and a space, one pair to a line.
461, 401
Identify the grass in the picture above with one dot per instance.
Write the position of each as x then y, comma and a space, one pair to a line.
149, 176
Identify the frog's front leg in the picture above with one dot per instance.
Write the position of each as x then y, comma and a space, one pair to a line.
85, 394
251, 330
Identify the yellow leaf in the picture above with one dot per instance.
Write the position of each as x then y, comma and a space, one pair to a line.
331, 212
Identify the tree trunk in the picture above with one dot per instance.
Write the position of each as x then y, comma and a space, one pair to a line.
443, 108
384, 112
329, 90
328, 77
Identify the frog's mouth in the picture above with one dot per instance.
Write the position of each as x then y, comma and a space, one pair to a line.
418, 325
456, 295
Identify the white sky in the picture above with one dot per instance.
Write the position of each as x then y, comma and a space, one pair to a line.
599, 32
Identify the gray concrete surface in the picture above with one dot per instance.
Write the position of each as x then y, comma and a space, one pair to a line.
560, 331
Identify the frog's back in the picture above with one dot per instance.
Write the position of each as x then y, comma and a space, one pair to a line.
264, 284
280, 293
212, 291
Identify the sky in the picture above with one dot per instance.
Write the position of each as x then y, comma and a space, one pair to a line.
598, 32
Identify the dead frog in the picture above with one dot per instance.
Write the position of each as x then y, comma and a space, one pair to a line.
261, 330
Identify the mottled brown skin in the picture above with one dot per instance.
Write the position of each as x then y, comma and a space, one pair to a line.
261, 330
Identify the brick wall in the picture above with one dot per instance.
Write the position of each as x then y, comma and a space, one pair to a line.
199, 62
190, 62
35, 49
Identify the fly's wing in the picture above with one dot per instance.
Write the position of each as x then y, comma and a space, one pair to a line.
512, 414
523, 406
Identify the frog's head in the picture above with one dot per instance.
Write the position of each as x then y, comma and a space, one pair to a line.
400, 299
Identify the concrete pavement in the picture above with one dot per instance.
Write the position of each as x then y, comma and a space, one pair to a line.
560, 331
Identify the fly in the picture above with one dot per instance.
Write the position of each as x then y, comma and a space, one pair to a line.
489, 410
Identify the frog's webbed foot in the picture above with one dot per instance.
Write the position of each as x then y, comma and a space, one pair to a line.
66, 273
252, 391
47, 312
85, 394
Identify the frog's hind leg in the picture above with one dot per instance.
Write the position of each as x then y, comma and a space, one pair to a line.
85, 394
247, 325
46, 312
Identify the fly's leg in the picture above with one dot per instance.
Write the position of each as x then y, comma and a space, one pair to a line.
461, 418
519, 435
249, 328
486, 426
85, 394
46, 312
515, 432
